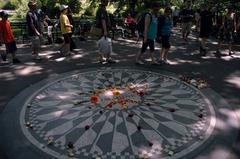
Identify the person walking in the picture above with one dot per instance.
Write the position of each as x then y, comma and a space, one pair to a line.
206, 24
7, 37
165, 28
175, 16
228, 27
66, 29
187, 18
104, 24
149, 33
34, 31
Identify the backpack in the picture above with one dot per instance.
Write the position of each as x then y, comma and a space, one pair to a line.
141, 23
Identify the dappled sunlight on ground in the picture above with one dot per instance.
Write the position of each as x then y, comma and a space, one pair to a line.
230, 117
7, 76
29, 70
180, 61
234, 79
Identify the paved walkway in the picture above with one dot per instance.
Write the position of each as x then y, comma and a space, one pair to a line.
222, 74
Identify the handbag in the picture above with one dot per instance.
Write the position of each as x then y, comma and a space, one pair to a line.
105, 45
95, 31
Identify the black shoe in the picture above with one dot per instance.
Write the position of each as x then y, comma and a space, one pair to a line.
230, 53
16, 61
218, 54
203, 51
110, 61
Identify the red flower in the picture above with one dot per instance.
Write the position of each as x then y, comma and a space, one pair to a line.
109, 105
141, 93
94, 99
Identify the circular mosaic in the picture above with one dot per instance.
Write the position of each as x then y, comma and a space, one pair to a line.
118, 113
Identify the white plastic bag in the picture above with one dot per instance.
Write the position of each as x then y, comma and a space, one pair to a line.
105, 45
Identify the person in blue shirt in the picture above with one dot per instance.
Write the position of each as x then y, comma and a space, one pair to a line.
150, 33
165, 31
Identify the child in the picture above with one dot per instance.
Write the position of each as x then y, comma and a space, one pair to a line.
6, 36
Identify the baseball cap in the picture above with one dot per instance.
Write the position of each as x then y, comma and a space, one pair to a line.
62, 7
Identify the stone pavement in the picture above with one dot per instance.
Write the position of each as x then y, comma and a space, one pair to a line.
222, 75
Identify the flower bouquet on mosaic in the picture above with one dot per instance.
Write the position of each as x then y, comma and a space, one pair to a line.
196, 82
122, 97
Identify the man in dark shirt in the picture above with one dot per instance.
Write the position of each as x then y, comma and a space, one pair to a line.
102, 18
187, 17
103, 22
34, 31
206, 22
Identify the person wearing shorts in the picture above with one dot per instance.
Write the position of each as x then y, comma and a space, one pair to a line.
34, 31
150, 33
166, 30
187, 17
229, 26
206, 23
6, 36
66, 29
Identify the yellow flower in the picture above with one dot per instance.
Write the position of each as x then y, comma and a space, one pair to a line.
116, 93
125, 106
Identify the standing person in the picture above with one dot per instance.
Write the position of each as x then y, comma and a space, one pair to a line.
34, 31
6, 36
103, 22
165, 29
187, 17
229, 26
71, 20
150, 33
206, 23
66, 29
49, 24
41, 15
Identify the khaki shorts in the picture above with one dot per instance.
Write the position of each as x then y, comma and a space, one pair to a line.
35, 40
186, 27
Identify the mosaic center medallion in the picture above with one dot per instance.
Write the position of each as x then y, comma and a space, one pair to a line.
119, 98
118, 113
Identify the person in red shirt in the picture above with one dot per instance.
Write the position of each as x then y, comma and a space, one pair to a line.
130, 22
6, 37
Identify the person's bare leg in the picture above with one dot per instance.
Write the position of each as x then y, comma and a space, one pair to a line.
152, 57
13, 55
162, 54
165, 55
230, 49
139, 56
203, 43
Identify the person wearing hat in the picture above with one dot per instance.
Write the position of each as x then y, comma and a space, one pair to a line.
7, 37
66, 29
34, 31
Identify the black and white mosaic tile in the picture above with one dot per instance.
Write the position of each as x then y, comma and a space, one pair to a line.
115, 113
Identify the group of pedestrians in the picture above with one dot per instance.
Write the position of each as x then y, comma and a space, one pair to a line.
156, 28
